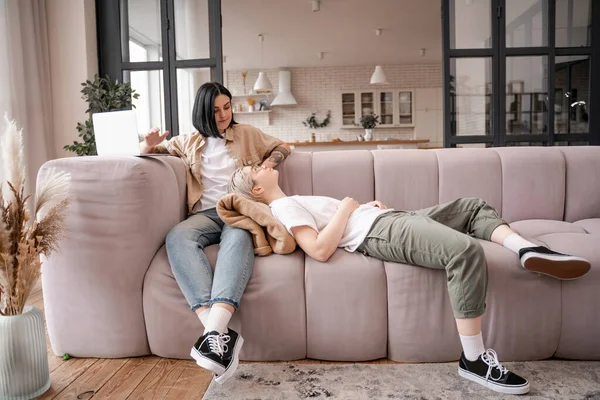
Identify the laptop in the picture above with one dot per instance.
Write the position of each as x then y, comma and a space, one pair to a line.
117, 134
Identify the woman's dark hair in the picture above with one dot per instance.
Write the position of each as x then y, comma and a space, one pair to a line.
203, 115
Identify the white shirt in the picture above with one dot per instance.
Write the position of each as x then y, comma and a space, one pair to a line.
317, 211
217, 167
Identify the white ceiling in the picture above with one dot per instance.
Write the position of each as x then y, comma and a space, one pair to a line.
344, 30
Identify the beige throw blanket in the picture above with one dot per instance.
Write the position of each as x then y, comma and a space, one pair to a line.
268, 234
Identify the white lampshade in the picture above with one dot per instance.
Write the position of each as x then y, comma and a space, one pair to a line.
378, 76
263, 84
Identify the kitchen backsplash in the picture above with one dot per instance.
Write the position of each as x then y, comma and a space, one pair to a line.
318, 90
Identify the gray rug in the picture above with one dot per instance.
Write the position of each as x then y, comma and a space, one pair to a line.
549, 380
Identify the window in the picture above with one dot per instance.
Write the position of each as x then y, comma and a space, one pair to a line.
519, 72
166, 49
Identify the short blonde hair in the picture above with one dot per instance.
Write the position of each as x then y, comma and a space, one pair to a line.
241, 182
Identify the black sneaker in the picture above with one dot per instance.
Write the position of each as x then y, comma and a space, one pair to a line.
231, 356
488, 371
557, 265
208, 351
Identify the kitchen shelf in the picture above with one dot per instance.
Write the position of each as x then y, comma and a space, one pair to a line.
245, 96
252, 112
263, 113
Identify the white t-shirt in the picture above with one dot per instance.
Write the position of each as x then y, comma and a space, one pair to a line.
217, 167
317, 211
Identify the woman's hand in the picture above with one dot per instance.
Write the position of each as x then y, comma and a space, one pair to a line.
378, 204
348, 205
268, 164
154, 137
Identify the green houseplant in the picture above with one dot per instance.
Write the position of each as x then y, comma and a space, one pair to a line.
369, 122
102, 95
313, 123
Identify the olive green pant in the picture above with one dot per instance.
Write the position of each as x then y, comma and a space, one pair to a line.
441, 237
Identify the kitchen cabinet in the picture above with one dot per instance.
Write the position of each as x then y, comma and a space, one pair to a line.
349, 107
395, 107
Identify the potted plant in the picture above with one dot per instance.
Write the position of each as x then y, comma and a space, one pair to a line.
369, 122
102, 95
23, 355
313, 123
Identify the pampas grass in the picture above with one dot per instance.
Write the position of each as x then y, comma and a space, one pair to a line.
23, 240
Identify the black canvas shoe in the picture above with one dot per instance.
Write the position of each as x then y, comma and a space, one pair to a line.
208, 351
231, 356
488, 371
557, 265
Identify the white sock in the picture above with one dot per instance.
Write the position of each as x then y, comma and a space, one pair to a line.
218, 319
203, 315
472, 346
515, 243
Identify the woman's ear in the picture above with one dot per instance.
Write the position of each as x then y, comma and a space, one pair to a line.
257, 190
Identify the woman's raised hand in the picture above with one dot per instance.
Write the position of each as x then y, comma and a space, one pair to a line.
154, 137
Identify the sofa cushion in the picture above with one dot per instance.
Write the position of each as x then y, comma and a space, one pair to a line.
580, 298
121, 210
295, 174
339, 174
406, 179
470, 173
583, 180
591, 225
271, 317
346, 308
533, 183
422, 327
533, 228
523, 315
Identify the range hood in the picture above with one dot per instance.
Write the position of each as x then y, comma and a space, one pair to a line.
285, 96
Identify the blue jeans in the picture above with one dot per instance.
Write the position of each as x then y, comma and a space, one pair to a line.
235, 260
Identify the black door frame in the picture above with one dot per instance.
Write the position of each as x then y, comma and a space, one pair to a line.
112, 30
499, 53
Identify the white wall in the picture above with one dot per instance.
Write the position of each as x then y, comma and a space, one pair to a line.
73, 59
319, 90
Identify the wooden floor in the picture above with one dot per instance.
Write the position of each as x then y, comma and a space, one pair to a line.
125, 378
148, 377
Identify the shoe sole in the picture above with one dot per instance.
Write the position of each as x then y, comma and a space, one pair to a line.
556, 266
206, 363
234, 363
496, 387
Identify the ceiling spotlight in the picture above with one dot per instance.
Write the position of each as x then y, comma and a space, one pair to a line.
320, 55
422, 52
378, 32
316, 5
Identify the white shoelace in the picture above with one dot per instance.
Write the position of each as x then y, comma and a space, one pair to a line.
218, 343
491, 359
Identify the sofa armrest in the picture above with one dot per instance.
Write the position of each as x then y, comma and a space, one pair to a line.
122, 209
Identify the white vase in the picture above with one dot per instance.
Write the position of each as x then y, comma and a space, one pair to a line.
24, 370
368, 134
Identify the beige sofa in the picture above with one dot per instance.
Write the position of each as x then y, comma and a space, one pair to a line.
110, 292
